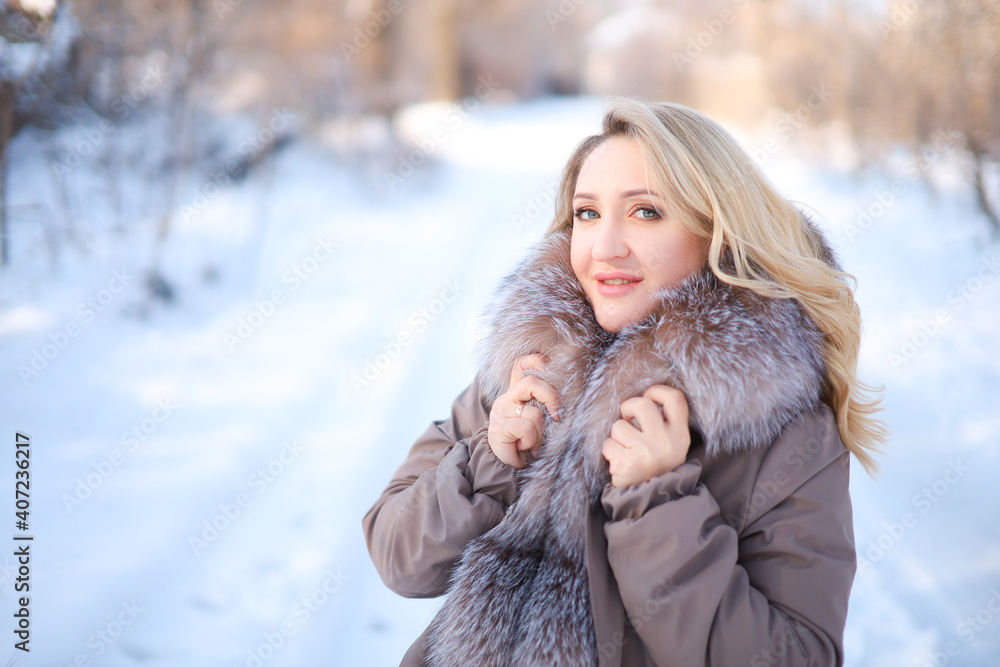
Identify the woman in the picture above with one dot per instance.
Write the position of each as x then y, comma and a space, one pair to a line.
651, 466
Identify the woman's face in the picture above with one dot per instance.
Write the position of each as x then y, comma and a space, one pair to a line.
624, 246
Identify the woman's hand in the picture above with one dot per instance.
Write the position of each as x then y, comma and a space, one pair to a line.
515, 428
659, 445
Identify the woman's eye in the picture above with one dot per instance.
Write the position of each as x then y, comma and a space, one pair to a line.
647, 213
586, 214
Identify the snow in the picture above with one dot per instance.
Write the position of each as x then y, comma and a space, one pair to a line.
624, 27
166, 420
39, 7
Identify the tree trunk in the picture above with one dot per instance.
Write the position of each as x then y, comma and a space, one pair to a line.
982, 196
8, 92
444, 83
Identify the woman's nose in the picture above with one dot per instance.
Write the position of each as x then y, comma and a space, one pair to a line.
610, 242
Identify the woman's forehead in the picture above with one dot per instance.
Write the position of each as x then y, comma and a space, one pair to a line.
619, 168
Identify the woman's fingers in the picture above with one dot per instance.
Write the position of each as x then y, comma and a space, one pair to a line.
651, 438
673, 401
528, 361
612, 449
523, 431
533, 387
515, 431
623, 432
504, 445
515, 439
533, 416
621, 462
647, 414
525, 386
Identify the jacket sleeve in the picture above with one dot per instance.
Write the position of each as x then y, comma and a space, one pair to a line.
772, 590
450, 489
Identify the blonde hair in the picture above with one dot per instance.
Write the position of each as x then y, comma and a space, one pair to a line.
718, 193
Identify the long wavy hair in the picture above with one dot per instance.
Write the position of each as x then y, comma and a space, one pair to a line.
718, 193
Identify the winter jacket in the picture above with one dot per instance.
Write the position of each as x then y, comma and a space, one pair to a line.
742, 555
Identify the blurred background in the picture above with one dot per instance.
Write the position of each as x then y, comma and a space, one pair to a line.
245, 247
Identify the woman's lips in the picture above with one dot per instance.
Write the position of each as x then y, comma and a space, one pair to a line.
615, 283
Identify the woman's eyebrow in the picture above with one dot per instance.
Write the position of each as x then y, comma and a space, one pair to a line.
637, 193
625, 195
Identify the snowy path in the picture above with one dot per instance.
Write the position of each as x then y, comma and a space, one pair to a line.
274, 444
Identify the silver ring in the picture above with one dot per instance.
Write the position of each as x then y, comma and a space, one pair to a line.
519, 408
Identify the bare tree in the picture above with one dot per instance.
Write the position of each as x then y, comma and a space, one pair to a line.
34, 50
907, 73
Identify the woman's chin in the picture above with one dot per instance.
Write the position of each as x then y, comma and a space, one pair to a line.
615, 314
614, 322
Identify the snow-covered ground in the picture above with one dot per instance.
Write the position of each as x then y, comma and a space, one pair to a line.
199, 470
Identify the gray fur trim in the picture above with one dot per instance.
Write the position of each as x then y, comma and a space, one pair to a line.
747, 364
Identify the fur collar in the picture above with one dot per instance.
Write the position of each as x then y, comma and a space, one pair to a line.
748, 366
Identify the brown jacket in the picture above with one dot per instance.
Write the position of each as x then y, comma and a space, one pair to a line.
743, 559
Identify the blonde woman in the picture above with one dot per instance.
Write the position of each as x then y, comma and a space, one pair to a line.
651, 466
